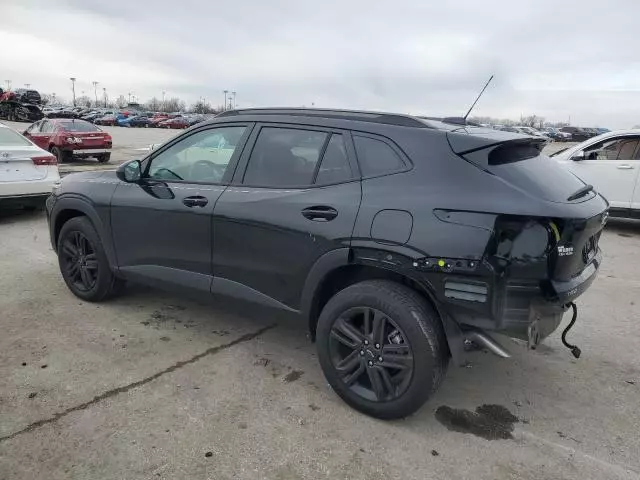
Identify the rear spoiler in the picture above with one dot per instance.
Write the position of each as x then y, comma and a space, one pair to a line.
465, 143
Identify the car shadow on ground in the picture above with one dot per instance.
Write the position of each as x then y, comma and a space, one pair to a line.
15, 215
623, 227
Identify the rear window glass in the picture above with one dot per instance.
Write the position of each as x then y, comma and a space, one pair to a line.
79, 127
539, 176
9, 138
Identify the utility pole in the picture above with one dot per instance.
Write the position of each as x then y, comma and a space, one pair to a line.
95, 90
129, 97
225, 98
73, 88
8, 85
53, 98
234, 99
104, 93
163, 93
27, 85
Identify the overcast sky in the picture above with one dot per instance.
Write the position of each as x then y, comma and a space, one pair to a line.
551, 58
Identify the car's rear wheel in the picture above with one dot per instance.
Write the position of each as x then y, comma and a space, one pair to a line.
382, 348
61, 155
83, 262
104, 157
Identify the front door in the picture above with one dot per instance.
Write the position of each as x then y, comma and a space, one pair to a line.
295, 196
612, 167
162, 226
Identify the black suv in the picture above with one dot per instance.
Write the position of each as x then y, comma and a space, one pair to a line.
400, 241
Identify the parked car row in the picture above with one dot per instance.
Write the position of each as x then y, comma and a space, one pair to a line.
562, 134
126, 118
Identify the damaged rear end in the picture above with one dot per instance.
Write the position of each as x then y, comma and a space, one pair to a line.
543, 251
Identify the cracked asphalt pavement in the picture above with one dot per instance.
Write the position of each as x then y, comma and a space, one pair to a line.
156, 385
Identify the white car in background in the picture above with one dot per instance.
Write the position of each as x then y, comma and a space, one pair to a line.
27, 172
611, 163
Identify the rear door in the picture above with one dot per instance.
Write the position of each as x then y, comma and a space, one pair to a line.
33, 133
295, 197
612, 167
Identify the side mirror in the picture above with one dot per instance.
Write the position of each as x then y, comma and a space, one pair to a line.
579, 155
25, 133
130, 172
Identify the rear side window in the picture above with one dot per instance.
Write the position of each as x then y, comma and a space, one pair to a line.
376, 157
9, 138
284, 157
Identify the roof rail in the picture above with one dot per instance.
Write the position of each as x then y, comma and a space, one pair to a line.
361, 116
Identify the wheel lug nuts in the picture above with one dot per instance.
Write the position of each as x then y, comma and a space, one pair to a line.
370, 363
366, 342
361, 352
379, 359
377, 345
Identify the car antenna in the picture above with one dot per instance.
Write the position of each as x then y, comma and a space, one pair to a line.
478, 97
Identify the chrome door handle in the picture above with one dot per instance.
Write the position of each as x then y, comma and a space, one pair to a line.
625, 166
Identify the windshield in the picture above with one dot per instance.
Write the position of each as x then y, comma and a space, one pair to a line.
9, 138
79, 127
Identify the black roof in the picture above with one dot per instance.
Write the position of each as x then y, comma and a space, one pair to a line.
362, 116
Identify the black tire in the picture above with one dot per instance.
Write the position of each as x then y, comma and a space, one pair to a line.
104, 157
421, 348
61, 155
79, 245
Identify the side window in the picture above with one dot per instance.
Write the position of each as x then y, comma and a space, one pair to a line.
35, 128
284, 157
612, 149
46, 127
334, 167
201, 157
376, 157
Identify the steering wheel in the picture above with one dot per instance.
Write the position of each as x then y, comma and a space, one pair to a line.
207, 170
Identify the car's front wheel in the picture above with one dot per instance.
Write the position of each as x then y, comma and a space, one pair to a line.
382, 348
83, 261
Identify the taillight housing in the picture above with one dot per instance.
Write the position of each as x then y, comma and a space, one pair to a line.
44, 160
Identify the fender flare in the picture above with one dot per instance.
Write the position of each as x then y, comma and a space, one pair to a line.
80, 204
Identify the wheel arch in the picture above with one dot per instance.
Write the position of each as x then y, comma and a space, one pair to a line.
337, 270
71, 207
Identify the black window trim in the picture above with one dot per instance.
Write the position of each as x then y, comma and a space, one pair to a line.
238, 178
233, 161
404, 158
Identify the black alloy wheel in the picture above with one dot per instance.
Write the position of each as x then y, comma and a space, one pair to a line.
83, 262
382, 348
371, 354
78, 258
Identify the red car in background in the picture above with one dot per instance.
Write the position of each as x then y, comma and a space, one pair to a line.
176, 122
67, 138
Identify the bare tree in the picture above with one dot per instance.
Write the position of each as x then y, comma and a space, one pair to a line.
84, 101
153, 105
174, 105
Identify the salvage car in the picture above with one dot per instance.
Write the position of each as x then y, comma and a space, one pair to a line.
27, 172
398, 241
611, 163
71, 138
